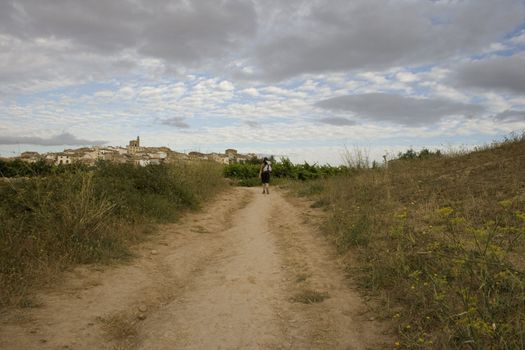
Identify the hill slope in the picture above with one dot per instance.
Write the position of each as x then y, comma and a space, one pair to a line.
442, 240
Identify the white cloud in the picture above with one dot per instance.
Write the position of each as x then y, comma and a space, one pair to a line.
251, 92
445, 91
406, 77
374, 77
126, 92
277, 91
309, 85
496, 102
518, 101
165, 92
226, 85
518, 39
104, 93
435, 74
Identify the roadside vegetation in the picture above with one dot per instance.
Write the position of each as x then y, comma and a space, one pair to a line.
247, 174
71, 214
440, 239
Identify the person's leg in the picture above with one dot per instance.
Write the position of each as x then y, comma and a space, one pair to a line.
265, 179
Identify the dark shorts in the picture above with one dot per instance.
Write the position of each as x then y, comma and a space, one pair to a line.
265, 177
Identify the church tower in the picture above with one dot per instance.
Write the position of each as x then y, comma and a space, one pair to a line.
134, 146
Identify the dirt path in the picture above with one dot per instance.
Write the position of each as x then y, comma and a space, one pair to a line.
248, 272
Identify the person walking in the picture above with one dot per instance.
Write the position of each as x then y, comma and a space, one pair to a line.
264, 174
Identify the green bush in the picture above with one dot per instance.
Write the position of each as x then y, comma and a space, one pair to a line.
248, 172
423, 154
19, 168
241, 171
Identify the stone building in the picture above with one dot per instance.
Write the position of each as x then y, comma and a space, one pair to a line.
230, 152
198, 155
30, 157
134, 146
63, 158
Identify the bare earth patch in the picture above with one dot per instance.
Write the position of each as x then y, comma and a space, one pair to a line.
248, 272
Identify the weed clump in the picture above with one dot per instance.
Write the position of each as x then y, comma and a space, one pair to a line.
309, 297
121, 328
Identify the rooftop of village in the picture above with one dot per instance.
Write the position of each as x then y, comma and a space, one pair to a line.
134, 152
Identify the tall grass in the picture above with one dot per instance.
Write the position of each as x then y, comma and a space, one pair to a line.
441, 240
48, 223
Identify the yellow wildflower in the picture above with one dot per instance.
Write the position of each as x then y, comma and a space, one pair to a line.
520, 215
505, 203
445, 211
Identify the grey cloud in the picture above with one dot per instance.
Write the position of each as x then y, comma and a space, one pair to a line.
399, 109
53, 43
110, 25
252, 124
57, 140
179, 31
510, 116
36, 66
500, 73
373, 34
177, 122
278, 39
205, 29
337, 121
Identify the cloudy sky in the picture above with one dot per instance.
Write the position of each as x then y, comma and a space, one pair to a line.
305, 79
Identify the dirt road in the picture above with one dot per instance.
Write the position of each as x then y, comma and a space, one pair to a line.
250, 271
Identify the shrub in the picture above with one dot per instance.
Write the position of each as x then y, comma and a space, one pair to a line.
247, 173
19, 168
423, 154
241, 171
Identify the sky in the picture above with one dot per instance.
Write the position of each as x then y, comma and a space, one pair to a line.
310, 80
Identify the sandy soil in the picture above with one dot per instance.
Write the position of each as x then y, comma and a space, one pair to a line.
233, 276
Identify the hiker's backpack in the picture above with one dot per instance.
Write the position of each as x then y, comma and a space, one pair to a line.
267, 167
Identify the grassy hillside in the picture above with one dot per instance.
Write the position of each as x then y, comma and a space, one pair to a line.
80, 216
441, 240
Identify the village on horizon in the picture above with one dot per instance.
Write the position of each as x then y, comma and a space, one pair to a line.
132, 153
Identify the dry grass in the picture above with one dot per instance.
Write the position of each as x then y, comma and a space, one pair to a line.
49, 223
442, 239
309, 296
119, 327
